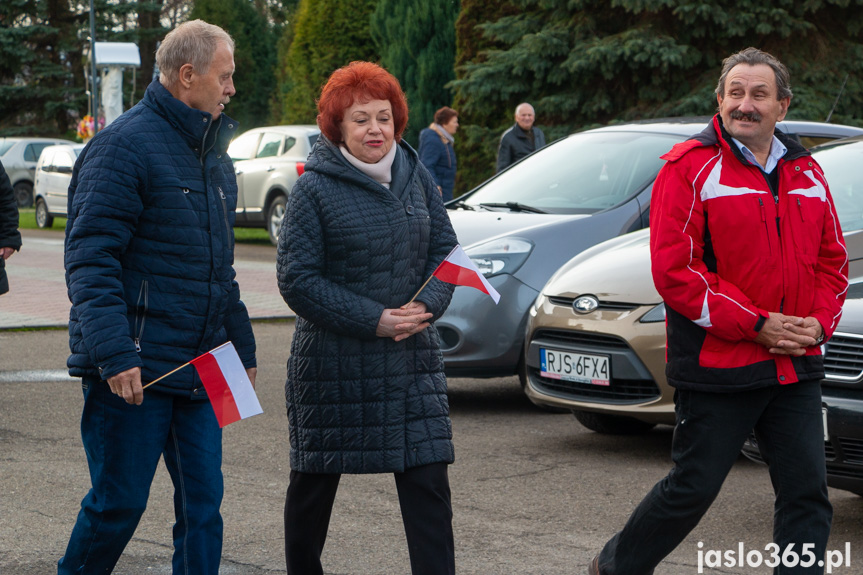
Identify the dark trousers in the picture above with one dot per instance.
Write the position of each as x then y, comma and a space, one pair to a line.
424, 497
710, 431
124, 444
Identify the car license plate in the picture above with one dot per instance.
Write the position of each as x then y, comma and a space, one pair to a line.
578, 367
824, 416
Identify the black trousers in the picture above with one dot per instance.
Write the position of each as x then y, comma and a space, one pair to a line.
424, 497
710, 431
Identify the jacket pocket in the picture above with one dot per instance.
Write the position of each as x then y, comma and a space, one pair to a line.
141, 314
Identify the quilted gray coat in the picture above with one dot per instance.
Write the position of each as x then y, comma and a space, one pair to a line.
348, 249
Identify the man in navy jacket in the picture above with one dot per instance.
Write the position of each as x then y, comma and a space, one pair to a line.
149, 271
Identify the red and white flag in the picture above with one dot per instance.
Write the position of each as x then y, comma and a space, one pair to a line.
458, 269
231, 393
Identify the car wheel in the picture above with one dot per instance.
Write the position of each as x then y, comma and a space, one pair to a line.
522, 379
612, 424
23, 194
275, 215
43, 218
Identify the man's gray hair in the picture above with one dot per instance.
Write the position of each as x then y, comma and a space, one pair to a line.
192, 42
754, 57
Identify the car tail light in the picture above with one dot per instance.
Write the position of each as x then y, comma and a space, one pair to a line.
301, 167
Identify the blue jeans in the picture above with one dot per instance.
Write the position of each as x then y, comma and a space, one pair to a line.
123, 444
710, 431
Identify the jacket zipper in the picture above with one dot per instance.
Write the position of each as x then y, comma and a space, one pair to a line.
225, 215
764, 221
800, 209
139, 331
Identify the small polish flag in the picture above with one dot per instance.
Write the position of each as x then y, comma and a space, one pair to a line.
458, 269
231, 393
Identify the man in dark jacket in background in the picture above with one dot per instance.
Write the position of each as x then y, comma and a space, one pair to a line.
748, 256
522, 139
149, 270
10, 237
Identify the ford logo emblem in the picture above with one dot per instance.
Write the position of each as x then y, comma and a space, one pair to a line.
585, 304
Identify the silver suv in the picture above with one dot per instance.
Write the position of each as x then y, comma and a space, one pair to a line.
19, 157
268, 161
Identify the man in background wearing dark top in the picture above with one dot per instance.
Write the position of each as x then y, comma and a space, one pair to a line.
522, 139
10, 237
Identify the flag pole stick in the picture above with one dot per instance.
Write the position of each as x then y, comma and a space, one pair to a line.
432, 275
166, 375
190, 362
421, 288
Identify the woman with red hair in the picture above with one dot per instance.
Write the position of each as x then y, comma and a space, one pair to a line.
366, 392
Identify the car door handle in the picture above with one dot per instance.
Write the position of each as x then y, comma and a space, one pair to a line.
271, 168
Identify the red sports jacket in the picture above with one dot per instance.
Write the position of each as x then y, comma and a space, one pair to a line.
726, 250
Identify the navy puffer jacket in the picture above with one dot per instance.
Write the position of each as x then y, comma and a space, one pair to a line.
348, 249
149, 246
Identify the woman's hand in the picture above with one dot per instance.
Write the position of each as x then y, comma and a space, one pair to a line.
404, 322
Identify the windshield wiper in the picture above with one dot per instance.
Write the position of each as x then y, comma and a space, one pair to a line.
516, 207
463, 205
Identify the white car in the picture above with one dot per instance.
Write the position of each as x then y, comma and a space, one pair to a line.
53, 174
267, 162
19, 157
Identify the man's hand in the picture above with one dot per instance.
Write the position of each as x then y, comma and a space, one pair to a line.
6, 253
127, 384
252, 372
404, 322
788, 335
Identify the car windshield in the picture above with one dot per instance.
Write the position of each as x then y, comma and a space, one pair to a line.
841, 166
581, 174
5, 145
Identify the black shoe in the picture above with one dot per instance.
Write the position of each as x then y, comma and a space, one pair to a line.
593, 568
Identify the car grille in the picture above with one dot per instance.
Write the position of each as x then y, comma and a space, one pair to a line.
853, 450
846, 466
603, 305
620, 391
581, 338
844, 358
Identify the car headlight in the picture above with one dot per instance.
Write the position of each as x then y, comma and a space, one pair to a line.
504, 255
654, 315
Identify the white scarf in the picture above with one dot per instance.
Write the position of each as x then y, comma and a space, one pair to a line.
381, 172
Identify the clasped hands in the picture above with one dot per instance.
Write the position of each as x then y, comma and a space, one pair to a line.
789, 335
404, 322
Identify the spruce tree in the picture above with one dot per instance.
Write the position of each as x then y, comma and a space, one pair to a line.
327, 35
417, 45
589, 62
41, 76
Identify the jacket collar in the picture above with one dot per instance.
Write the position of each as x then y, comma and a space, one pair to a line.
327, 159
716, 134
197, 128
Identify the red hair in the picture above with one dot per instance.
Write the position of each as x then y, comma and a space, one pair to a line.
359, 82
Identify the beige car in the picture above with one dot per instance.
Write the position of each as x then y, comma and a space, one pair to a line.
595, 339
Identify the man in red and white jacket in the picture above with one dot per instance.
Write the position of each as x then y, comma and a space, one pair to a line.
748, 256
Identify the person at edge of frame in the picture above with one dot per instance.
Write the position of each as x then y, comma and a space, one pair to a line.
748, 255
149, 270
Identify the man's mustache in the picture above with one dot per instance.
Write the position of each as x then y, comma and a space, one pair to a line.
748, 116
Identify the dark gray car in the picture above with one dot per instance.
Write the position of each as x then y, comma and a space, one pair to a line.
523, 224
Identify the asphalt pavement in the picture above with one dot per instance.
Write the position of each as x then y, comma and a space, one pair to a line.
533, 493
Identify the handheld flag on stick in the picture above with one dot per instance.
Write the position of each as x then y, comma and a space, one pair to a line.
231, 393
458, 269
